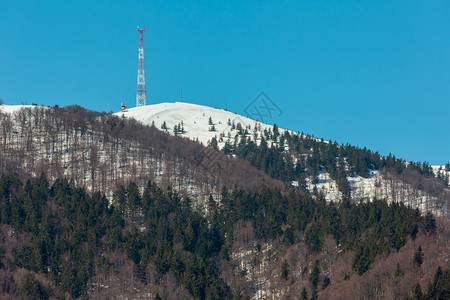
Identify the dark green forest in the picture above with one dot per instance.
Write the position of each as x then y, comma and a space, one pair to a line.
69, 228
439, 288
274, 155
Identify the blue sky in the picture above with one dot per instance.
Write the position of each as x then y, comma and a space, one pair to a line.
368, 73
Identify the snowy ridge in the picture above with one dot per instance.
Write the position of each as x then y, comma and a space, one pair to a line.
15, 108
194, 119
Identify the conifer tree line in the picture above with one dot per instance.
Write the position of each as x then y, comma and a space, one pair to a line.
295, 157
326, 155
70, 232
439, 288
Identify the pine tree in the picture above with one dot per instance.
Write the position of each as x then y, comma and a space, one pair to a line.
133, 198
120, 201
314, 277
227, 148
398, 271
213, 143
285, 269
314, 295
429, 221
326, 282
304, 295
417, 293
31, 287
276, 133
418, 257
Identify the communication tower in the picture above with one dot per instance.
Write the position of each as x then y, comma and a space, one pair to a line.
140, 94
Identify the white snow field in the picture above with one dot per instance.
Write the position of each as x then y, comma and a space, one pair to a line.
194, 119
14, 108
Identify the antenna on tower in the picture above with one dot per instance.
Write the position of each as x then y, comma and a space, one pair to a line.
181, 100
140, 94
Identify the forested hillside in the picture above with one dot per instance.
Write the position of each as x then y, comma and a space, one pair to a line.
99, 206
100, 151
301, 158
59, 240
317, 166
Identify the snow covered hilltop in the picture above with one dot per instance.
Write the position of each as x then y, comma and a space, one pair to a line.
196, 122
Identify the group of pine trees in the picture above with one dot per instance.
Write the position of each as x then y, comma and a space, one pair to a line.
69, 228
439, 288
275, 153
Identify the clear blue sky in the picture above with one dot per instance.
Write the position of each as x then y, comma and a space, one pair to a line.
370, 73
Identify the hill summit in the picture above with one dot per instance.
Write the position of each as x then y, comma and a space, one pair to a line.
196, 122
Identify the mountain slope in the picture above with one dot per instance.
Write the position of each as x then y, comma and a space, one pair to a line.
305, 164
100, 151
231, 130
252, 238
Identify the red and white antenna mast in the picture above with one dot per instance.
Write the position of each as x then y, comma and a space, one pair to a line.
140, 94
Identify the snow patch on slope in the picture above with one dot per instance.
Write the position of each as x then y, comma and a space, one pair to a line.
14, 108
376, 186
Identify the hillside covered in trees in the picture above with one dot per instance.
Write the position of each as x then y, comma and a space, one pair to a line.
100, 151
63, 241
312, 164
301, 158
98, 206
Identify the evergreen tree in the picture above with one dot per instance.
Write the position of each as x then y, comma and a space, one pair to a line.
439, 288
314, 277
133, 199
326, 282
213, 143
276, 133
429, 221
417, 293
418, 257
314, 295
227, 148
398, 272
120, 200
304, 295
32, 288
285, 269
